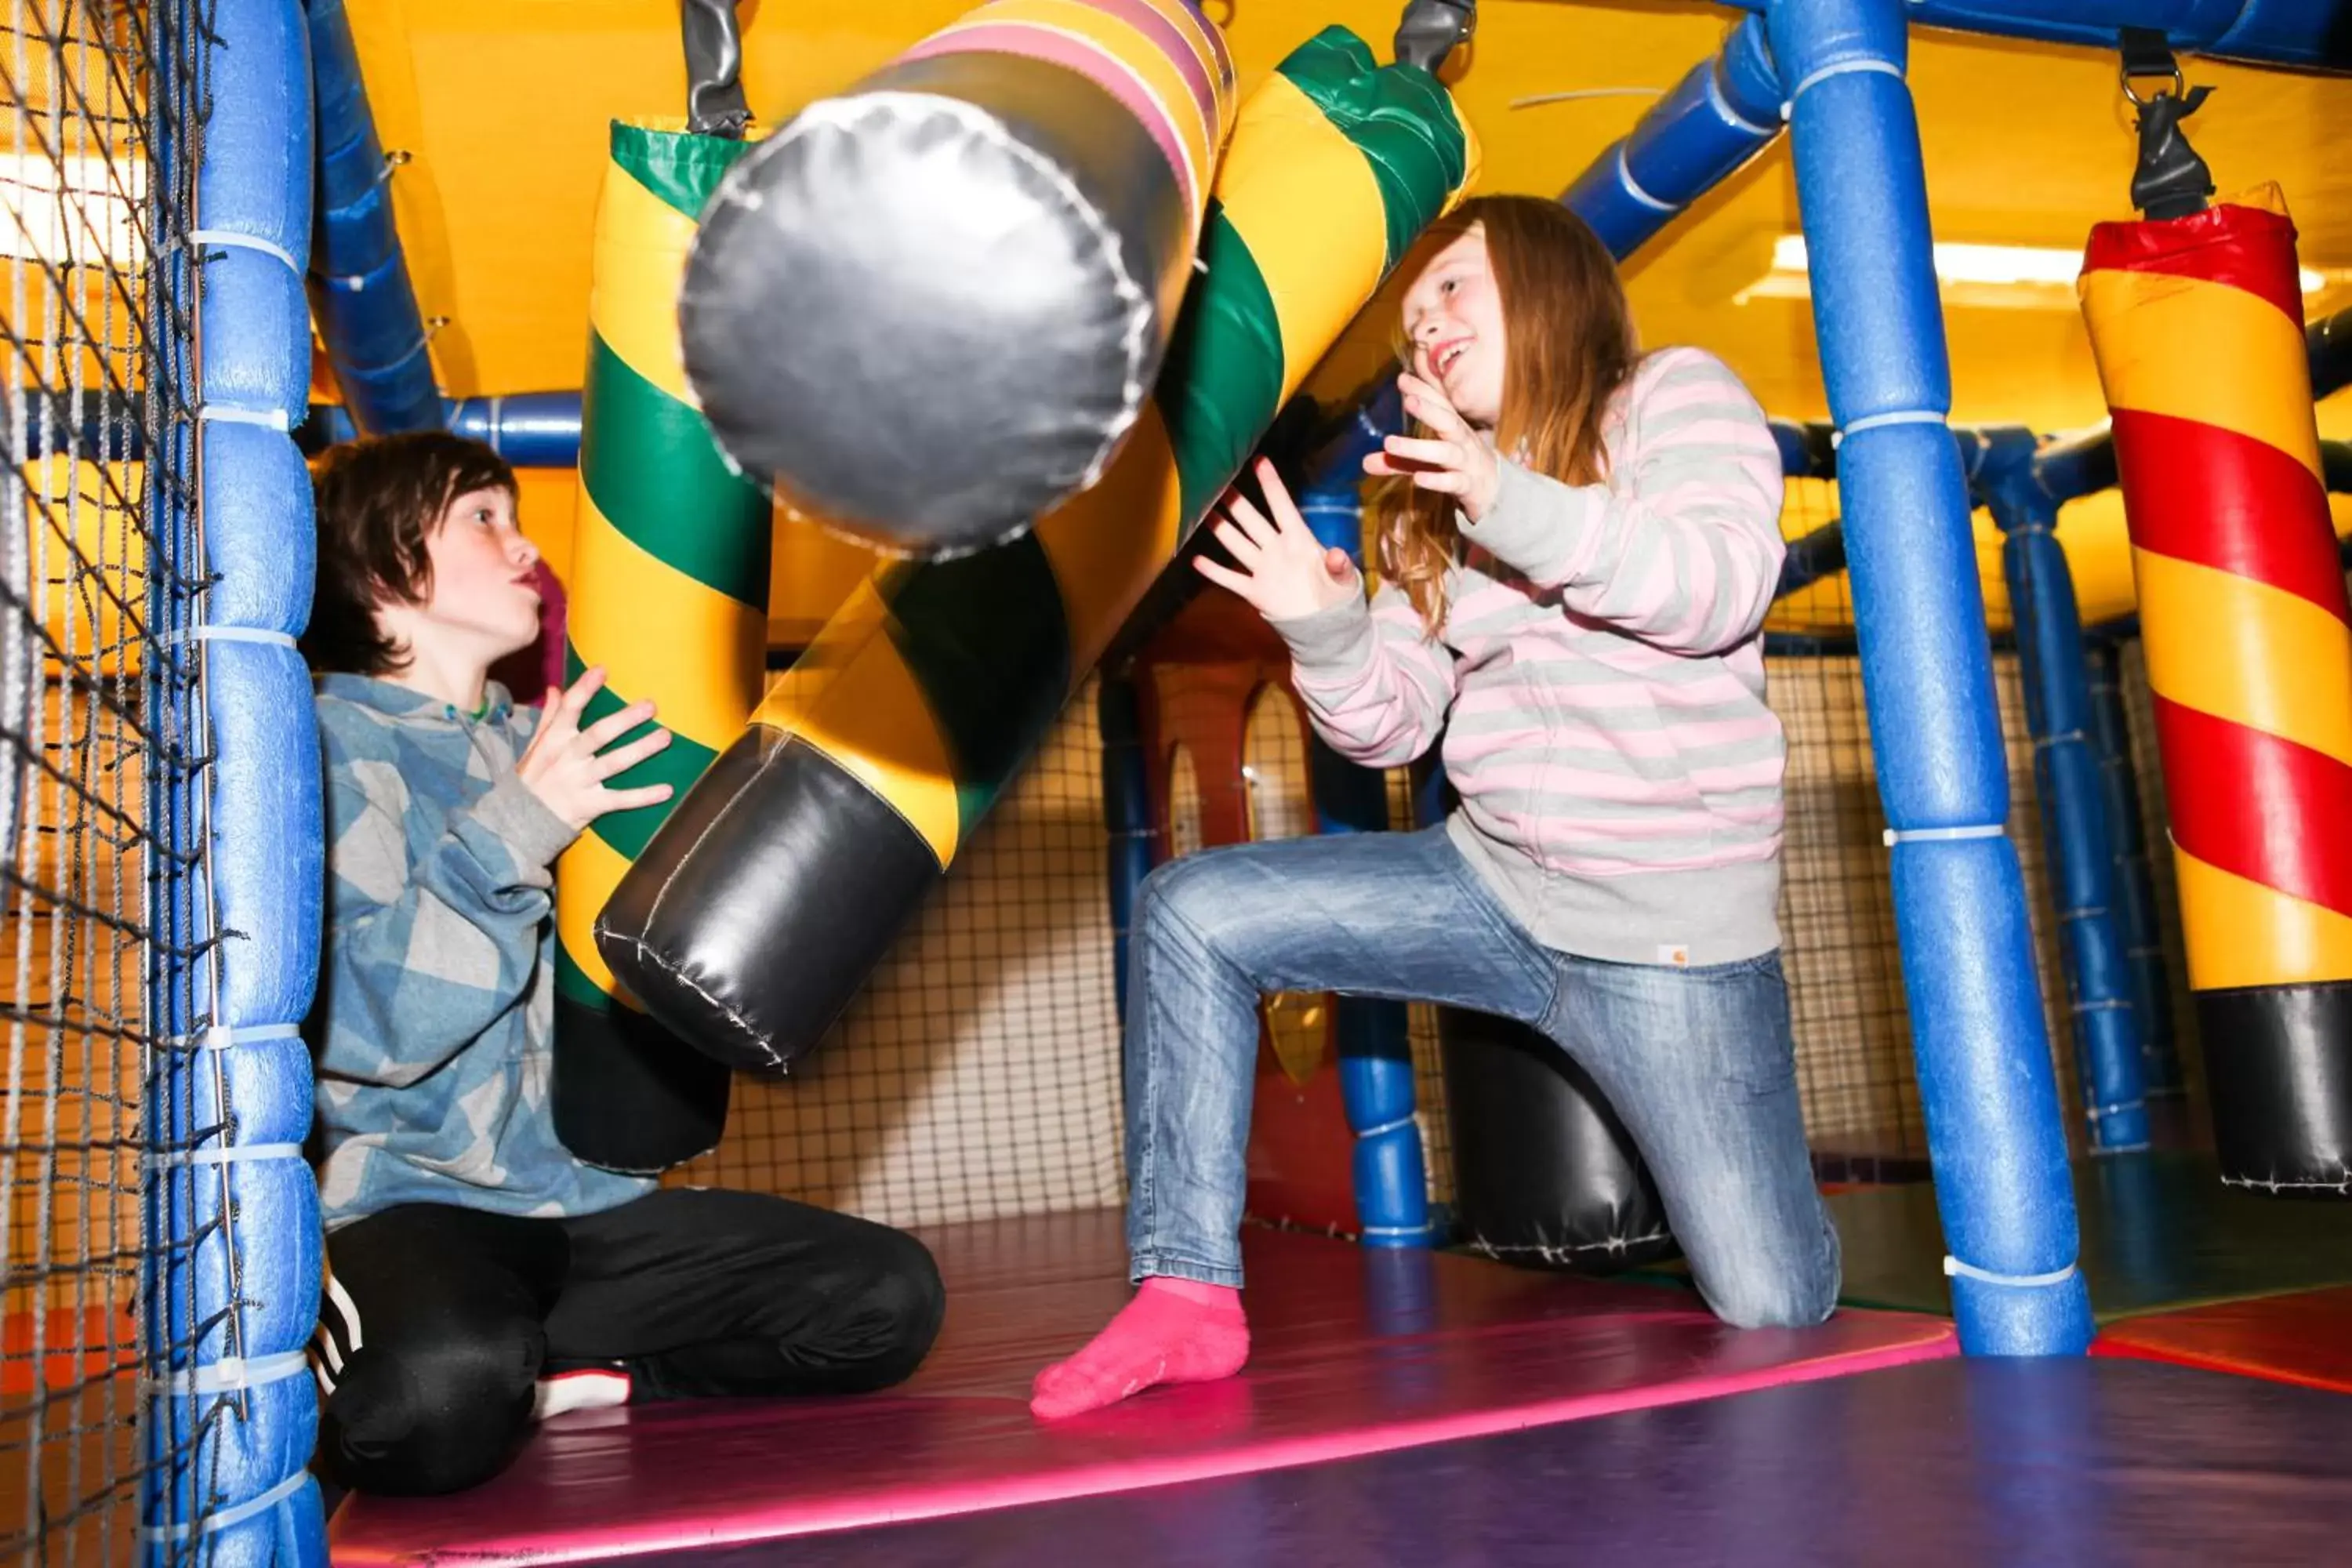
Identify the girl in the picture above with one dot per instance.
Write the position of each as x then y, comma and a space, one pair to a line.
1578, 550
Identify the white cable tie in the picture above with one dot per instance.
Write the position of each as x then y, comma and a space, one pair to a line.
1844, 68
226, 1517
1724, 106
227, 633
234, 241
230, 1374
1877, 421
226, 414
1633, 187
1938, 834
231, 1154
1953, 1266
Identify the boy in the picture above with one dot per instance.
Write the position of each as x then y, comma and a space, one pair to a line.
480, 1276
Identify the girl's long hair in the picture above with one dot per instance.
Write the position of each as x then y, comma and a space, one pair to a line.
1569, 345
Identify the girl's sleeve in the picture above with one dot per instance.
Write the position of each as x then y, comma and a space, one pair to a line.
1685, 553
1372, 685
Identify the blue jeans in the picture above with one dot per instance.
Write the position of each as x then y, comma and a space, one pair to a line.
1699, 1064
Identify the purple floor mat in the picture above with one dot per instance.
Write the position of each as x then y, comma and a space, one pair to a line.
1942, 1462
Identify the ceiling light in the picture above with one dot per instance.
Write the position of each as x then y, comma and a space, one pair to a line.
2011, 276
76, 209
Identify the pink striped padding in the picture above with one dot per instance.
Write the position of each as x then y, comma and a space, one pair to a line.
1214, 98
1100, 66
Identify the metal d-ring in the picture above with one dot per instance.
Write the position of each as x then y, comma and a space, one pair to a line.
2179, 85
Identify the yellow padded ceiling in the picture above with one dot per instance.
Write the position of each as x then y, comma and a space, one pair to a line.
502, 111
502, 108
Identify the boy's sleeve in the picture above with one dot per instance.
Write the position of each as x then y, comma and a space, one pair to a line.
422, 954
1372, 685
1685, 553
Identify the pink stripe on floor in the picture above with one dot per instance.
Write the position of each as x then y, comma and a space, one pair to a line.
1356, 1353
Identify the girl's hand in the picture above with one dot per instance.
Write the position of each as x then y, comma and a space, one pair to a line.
1458, 462
566, 766
1285, 572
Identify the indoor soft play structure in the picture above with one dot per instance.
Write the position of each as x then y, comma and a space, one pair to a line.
866, 410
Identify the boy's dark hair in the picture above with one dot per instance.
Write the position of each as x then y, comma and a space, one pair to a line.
377, 499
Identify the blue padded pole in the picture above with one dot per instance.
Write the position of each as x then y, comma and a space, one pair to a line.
1997, 1145
1810, 556
2075, 466
1332, 499
528, 429
2134, 879
366, 306
1808, 451
1374, 1038
2305, 33
2071, 794
1723, 112
234, 1300
1127, 812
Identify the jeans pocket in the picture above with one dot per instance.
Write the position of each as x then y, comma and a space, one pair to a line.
1767, 963
1746, 1008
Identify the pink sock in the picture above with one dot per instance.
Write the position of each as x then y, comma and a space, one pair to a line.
1174, 1330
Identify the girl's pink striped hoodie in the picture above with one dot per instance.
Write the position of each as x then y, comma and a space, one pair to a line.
1599, 681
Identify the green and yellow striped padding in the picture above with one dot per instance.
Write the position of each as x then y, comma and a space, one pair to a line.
937, 680
669, 571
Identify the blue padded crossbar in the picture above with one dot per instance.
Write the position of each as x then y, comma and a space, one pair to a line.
2308, 33
360, 288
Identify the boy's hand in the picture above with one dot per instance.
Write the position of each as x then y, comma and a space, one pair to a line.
1459, 462
1286, 572
566, 766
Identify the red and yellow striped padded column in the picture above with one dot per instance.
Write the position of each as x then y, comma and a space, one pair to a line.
2196, 325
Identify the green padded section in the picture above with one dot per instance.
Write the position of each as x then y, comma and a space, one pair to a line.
2160, 1232
677, 167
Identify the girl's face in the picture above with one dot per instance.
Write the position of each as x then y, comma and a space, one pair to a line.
1453, 321
482, 593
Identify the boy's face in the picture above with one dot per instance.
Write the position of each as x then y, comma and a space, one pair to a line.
482, 602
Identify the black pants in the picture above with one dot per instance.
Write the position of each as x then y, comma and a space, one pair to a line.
691, 1293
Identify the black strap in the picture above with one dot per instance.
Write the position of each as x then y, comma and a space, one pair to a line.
1430, 29
2146, 52
714, 68
2171, 180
